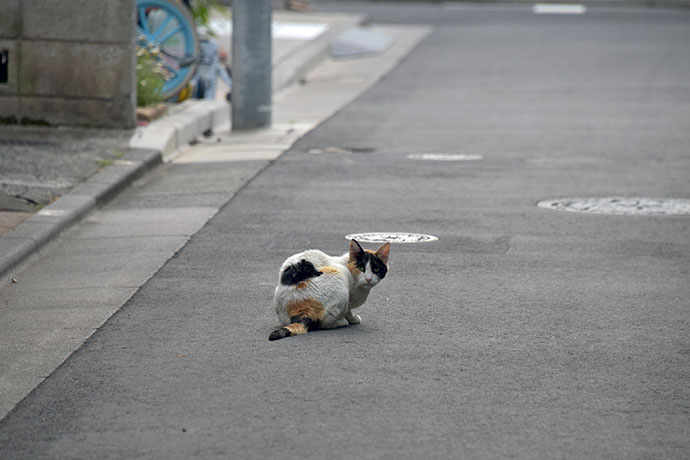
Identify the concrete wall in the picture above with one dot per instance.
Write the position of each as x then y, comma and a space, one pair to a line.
70, 62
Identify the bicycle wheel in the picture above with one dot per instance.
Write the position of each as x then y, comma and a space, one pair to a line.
169, 26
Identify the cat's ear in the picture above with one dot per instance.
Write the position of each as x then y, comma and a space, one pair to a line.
355, 249
383, 252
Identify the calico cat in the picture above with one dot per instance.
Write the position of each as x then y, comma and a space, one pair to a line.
318, 291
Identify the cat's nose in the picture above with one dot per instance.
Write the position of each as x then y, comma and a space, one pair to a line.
368, 278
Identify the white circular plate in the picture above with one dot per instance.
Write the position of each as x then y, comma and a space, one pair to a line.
391, 237
632, 206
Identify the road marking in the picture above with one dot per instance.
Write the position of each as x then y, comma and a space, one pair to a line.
444, 156
391, 237
553, 8
51, 212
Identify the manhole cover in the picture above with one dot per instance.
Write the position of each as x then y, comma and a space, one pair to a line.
444, 156
633, 206
382, 237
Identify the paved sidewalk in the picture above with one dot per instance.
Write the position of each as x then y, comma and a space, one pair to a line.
51, 178
55, 301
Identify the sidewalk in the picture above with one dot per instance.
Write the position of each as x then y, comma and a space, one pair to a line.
87, 168
119, 227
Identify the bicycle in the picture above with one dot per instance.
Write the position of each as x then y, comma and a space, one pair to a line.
168, 26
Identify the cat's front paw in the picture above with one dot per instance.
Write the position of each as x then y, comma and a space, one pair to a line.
354, 319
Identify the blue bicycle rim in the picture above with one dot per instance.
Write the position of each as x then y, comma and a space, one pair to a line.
159, 36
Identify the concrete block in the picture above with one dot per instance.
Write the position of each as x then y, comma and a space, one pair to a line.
150, 157
172, 132
119, 113
118, 173
68, 208
110, 181
10, 19
82, 70
80, 20
100, 192
9, 109
221, 117
10, 87
190, 124
156, 136
39, 232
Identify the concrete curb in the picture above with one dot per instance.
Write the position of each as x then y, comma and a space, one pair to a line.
287, 71
186, 123
44, 226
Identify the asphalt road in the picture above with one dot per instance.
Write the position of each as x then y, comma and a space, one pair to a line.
522, 332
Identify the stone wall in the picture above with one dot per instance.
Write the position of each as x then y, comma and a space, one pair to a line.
68, 62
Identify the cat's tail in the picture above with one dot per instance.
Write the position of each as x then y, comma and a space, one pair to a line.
300, 325
305, 315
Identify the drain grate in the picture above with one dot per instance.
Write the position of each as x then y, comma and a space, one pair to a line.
391, 237
444, 156
633, 206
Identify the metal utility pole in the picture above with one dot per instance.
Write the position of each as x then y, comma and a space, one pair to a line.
251, 64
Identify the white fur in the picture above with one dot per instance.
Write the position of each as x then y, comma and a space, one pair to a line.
339, 293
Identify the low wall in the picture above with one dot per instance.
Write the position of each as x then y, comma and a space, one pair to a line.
68, 62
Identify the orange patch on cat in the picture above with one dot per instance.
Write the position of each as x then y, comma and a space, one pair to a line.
330, 270
309, 308
303, 285
296, 329
352, 266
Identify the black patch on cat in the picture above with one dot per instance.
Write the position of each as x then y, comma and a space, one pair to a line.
377, 266
361, 259
278, 334
310, 324
296, 273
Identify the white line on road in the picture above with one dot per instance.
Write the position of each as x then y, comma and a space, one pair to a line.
553, 8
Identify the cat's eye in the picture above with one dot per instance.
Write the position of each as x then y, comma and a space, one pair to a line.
375, 269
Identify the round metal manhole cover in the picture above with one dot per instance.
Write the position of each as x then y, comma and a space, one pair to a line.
633, 206
444, 156
382, 237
